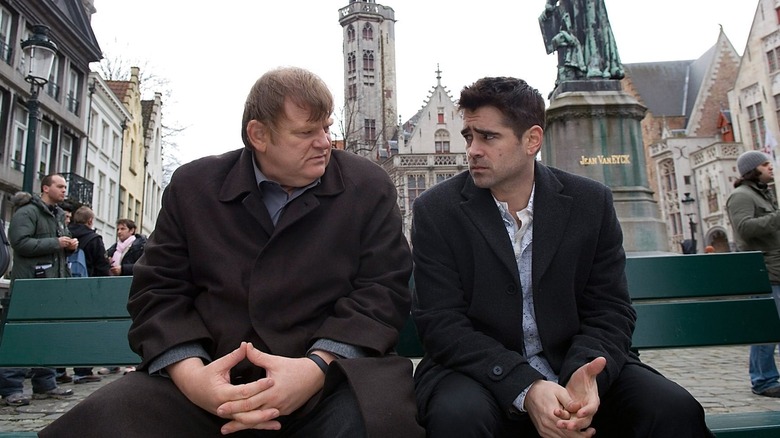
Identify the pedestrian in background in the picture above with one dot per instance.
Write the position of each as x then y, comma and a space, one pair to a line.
128, 248
40, 242
755, 219
82, 228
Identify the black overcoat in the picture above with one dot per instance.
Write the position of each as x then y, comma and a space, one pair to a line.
468, 301
216, 271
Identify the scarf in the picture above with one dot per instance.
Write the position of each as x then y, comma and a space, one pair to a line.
121, 250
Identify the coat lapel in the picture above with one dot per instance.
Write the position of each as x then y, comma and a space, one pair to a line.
551, 214
241, 184
330, 184
480, 207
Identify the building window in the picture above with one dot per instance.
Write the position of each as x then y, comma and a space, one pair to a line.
131, 164
5, 35
100, 202
668, 176
712, 201
104, 137
368, 32
441, 116
351, 63
756, 123
44, 151
777, 107
443, 177
121, 205
20, 138
115, 146
52, 87
66, 153
415, 185
368, 60
111, 199
350, 33
74, 91
352, 92
442, 141
772, 58
369, 127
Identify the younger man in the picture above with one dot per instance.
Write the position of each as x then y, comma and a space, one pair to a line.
521, 301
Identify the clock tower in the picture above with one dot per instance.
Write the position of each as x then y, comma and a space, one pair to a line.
370, 117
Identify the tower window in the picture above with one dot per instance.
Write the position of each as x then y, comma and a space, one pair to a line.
350, 33
351, 63
368, 32
368, 60
370, 129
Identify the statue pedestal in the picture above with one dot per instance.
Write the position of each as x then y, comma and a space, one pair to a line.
593, 130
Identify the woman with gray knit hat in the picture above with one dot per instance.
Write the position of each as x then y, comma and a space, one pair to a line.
755, 219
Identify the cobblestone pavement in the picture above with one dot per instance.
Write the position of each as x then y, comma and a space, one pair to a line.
717, 377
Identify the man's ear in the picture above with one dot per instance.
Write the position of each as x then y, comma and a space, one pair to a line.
534, 136
259, 135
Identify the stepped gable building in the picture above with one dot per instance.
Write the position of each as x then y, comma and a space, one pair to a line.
430, 150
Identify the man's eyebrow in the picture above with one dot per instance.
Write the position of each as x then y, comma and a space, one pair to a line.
465, 131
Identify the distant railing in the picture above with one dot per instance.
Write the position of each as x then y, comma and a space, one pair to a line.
79, 188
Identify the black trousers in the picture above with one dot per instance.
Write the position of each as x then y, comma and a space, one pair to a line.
139, 405
641, 403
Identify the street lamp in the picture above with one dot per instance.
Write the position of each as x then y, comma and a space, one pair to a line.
688, 207
39, 53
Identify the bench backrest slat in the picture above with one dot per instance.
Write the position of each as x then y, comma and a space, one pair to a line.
699, 324
70, 298
700, 275
70, 343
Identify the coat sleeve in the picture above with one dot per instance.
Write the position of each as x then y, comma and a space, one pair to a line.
162, 294
606, 316
22, 233
96, 255
749, 223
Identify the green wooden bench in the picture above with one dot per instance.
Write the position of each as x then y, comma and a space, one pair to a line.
84, 321
67, 322
685, 301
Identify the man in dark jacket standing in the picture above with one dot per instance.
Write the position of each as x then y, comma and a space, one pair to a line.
39, 239
81, 227
271, 292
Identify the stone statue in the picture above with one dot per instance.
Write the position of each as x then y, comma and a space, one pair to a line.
579, 31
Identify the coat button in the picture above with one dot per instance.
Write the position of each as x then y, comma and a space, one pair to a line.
497, 370
511, 289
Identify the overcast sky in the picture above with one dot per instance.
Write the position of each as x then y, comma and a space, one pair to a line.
212, 56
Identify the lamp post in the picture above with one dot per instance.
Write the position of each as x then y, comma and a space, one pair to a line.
39, 52
688, 206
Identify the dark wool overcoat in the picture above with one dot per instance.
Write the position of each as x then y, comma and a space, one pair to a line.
469, 303
216, 271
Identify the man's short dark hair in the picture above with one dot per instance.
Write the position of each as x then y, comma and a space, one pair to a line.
126, 222
49, 180
520, 103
